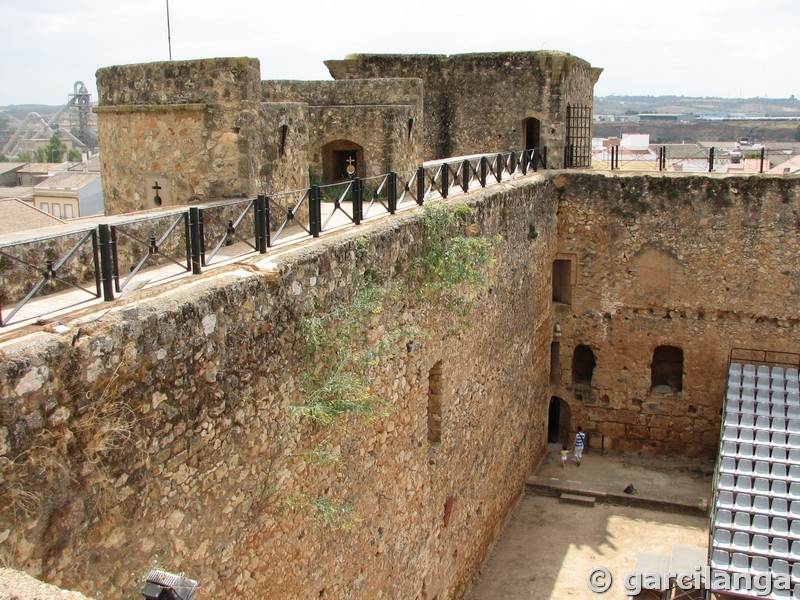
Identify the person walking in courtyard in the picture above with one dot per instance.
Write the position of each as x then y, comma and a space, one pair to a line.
577, 447
564, 456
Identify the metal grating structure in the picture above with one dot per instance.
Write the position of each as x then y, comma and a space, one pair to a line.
578, 148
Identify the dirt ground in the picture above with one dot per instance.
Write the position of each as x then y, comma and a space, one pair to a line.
548, 548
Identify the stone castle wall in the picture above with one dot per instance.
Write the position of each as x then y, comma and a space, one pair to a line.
191, 126
186, 131
160, 431
705, 264
382, 116
477, 102
285, 149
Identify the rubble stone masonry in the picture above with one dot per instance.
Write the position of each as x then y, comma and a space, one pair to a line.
703, 264
160, 430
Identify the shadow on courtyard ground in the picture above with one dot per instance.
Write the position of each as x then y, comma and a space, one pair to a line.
548, 548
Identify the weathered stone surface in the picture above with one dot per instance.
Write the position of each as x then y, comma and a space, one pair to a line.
477, 102
702, 263
15, 585
176, 442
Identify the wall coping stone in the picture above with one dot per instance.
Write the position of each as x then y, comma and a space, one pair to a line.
133, 108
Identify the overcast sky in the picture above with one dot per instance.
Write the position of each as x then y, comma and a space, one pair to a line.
647, 47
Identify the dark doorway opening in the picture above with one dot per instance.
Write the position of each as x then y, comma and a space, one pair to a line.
342, 160
558, 421
532, 129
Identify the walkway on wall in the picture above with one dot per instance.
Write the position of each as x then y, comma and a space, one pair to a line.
45, 310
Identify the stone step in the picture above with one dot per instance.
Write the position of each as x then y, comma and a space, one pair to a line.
549, 486
576, 499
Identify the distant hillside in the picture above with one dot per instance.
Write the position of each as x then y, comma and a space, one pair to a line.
698, 131
18, 111
620, 105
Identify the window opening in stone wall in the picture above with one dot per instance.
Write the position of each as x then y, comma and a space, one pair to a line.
284, 135
666, 371
583, 363
532, 130
562, 281
410, 127
435, 395
555, 365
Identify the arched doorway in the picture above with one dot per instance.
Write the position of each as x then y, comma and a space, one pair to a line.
531, 129
558, 421
342, 160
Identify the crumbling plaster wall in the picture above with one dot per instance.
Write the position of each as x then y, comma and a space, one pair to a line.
703, 263
160, 429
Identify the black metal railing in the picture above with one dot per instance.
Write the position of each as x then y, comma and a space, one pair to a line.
110, 258
51, 265
149, 241
692, 159
222, 224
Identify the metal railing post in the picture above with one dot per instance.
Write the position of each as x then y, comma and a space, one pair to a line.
262, 225
465, 167
763, 155
314, 211
106, 268
392, 192
445, 180
267, 225
201, 238
711, 159
196, 237
98, 280
420, 185
524, 162
512, 162
484, 169
499, 169
358, 200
